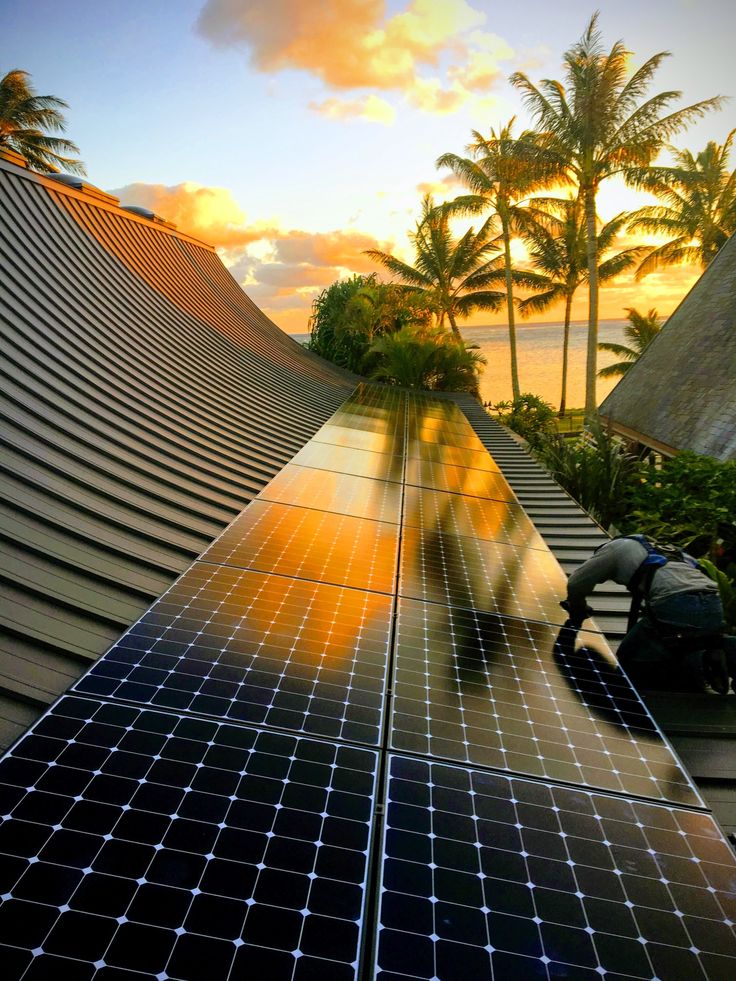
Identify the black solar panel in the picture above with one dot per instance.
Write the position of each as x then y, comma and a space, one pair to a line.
470, 517
259, 649
362, 497
453, 456
343, 459
491, 877
181, 848
481, 575
391, 442
203, 807
458, 480
520, 695
309, 544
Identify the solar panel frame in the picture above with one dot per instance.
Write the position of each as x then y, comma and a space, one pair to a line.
491, 876
257, 649
182, 848
525, 696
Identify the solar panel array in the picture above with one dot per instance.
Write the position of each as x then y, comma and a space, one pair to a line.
354, 739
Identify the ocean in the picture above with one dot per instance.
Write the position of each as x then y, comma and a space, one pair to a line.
539, 351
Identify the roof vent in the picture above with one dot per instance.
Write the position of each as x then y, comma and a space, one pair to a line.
135, 209
71, 180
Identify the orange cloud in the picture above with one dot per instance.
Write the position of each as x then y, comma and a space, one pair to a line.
370, 108
343, 249
208, 213
352, 44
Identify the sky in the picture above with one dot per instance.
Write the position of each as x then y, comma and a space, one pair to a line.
295, 134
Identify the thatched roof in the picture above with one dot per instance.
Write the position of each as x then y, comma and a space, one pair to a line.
681, 393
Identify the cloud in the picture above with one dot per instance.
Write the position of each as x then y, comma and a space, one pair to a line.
442, 188
370, 108
343, 249
207, 213
353, 44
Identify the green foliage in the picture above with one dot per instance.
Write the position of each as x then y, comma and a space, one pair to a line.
727, 589
25, 122
640, 332
349, 314
426, 358
595, 469
528, 415
690, 501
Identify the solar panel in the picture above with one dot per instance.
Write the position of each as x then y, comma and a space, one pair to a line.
519, 695
454, 456
258, 649
308, 544
154, 845
481, 575
491, 877
458, 480
343, 459
470, 517
362, 497
359, 438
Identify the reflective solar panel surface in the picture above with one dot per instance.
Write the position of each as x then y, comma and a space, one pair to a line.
310, 544
181, 848
214, 799
260, 649
488, 876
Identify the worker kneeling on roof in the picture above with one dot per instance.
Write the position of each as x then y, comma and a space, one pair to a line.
679, 639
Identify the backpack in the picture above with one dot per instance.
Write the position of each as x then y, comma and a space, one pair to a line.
658, 554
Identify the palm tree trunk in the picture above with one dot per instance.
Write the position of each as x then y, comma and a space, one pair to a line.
591, 368
565, 352
453, 322
515, 389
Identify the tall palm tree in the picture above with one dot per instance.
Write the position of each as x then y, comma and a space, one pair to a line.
558, 250
698, 210
453, 273
641, 329
499, 176
26, 118
599, 124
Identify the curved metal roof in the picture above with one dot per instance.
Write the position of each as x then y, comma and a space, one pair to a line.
145, 401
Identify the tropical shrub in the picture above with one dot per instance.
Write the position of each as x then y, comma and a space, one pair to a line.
528, 415
351, 313
426, 358
691, 501
595, 469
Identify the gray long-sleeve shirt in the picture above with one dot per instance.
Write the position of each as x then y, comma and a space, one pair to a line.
619, 559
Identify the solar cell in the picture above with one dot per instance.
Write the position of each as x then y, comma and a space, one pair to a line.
492, 877
362, 497
524, 696
259, 649
458, 480
308, 544
359, 438
454, 456
482, 575
343, 459
137, 844
470, 517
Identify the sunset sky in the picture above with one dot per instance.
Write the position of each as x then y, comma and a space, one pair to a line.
293, 134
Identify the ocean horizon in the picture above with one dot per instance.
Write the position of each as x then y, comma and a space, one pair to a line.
539, 351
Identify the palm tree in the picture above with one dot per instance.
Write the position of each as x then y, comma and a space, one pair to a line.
558, 250
641, 329
698, 210
498, 176
25, 119
453, 274
600, 125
